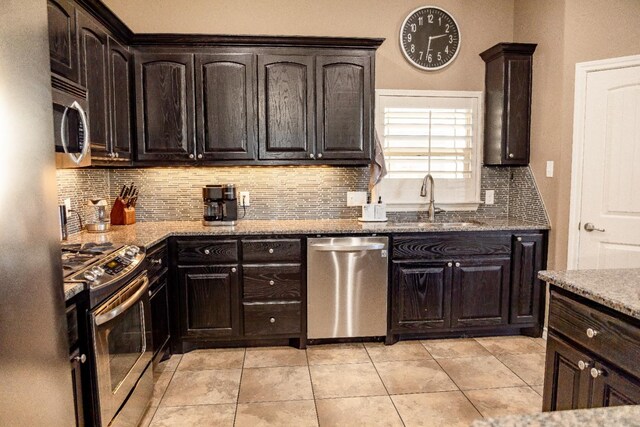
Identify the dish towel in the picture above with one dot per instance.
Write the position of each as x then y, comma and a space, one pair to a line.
378, 167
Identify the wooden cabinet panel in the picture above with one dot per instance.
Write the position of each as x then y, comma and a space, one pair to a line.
94, 74
120, 90
76, 382
344, 107
480, 292
518, 109
209, 301
421, 295
225, 99
165, 106
282, 281
566, 386
450, 246
264, 319
612, 388
271, 250
286, 107
63, 47
526, 289
207, 251
159, 301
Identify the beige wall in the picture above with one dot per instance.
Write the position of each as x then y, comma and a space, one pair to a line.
568, 32
481, 28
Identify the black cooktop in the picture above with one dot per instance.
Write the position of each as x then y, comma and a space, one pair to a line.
77, 256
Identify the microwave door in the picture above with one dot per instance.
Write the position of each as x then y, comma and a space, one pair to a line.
71, 135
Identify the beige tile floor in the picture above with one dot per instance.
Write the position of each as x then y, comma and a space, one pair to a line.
412, 383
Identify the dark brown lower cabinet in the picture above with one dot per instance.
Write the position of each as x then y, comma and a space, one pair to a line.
566, 384
159, 301
76, 382
210, 306
613, 388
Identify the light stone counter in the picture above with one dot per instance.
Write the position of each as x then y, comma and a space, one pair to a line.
620, 416
618, 289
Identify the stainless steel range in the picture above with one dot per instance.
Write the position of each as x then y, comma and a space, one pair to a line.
119, 324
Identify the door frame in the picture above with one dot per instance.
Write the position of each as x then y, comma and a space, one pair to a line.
583, 69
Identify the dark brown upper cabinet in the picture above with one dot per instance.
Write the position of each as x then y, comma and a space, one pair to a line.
286, 107
507, 103
164, 106
227, 123
63, 47
120, 91
344, 107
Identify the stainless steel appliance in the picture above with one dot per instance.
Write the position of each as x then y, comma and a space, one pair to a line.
120, 325
347, 287
70, 124
220, 205
34, 358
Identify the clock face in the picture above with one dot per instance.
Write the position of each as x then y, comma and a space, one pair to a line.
430, 38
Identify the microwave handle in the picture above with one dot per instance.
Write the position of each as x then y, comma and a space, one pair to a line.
63, 136
112, 314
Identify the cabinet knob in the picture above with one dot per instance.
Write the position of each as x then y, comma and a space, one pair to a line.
511, 155
117, 155
207, 251
595, 373
270, 250
583, 365
199, 156
110, 155
156, 261
272, 320
457, 264
519, 239
271, 283
82, 358
191, 156
591, 332
233, 269
319, 155
449, 264
313, 156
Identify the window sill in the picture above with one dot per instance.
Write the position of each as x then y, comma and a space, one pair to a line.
447, 207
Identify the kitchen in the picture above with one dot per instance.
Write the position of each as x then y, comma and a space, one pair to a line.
170, 195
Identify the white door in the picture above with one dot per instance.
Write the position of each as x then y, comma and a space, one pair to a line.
609, 216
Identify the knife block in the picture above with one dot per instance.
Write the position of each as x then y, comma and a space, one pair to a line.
121, 214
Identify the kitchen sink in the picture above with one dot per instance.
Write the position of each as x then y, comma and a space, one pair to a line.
436, 224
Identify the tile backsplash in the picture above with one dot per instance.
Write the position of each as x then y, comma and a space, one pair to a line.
279, 192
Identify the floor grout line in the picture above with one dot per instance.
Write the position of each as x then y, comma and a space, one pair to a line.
235, 414
166, 388
313, 392
385, 386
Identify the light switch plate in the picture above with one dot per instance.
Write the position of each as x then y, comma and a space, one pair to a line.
244, 198
356, 198
67, 205
489, 197
549, 168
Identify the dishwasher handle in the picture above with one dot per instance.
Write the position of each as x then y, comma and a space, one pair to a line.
347, 248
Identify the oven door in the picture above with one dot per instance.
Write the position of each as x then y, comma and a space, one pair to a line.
122, 343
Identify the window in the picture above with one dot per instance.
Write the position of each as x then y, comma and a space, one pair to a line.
430, 132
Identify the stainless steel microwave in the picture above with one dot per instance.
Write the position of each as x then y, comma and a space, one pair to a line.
71, 129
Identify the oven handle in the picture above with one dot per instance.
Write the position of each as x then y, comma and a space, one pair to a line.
111, 314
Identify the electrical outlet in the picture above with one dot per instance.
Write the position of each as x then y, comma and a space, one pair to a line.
356, 198
244, 198
67, 205
549, 168
489, 197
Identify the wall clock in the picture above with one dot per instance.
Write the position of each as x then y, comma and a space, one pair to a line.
430, 38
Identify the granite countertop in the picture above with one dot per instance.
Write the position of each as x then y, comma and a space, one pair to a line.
72, 289
618, 289
619, 416
148, 234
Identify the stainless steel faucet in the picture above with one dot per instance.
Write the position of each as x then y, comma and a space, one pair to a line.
423, 193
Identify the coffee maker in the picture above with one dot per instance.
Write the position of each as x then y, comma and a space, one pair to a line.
220, 204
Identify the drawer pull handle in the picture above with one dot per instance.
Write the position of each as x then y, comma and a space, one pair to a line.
207, 251
457, 264
233, 269
270, 250
156, 261
271, 283
591, 332
583, 365
272, 320
519, 239
449, 264
511, 155
595, 373
82, 358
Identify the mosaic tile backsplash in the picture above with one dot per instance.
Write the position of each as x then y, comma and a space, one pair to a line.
285, 192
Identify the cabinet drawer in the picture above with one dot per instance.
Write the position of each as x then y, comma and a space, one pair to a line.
72, 326
157, 261
615, 340
271, 281
268, 250
271, 318
452, 246
207, 252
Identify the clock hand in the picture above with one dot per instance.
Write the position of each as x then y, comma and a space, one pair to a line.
437, 37
429, 45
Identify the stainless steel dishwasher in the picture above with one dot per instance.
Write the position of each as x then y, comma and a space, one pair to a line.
347, 287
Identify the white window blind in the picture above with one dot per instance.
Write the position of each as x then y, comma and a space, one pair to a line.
430, 132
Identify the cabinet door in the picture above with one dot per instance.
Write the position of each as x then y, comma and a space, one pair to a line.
526, 289
209, 299
94, 75
63, 47
344, 107
159, 301
480, 292
76, 382
226, 98
164, 99
421, 295
518, 109
613, 388
566, 385
286, 107
120, 89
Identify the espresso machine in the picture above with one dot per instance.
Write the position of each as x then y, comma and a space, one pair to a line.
220, 204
